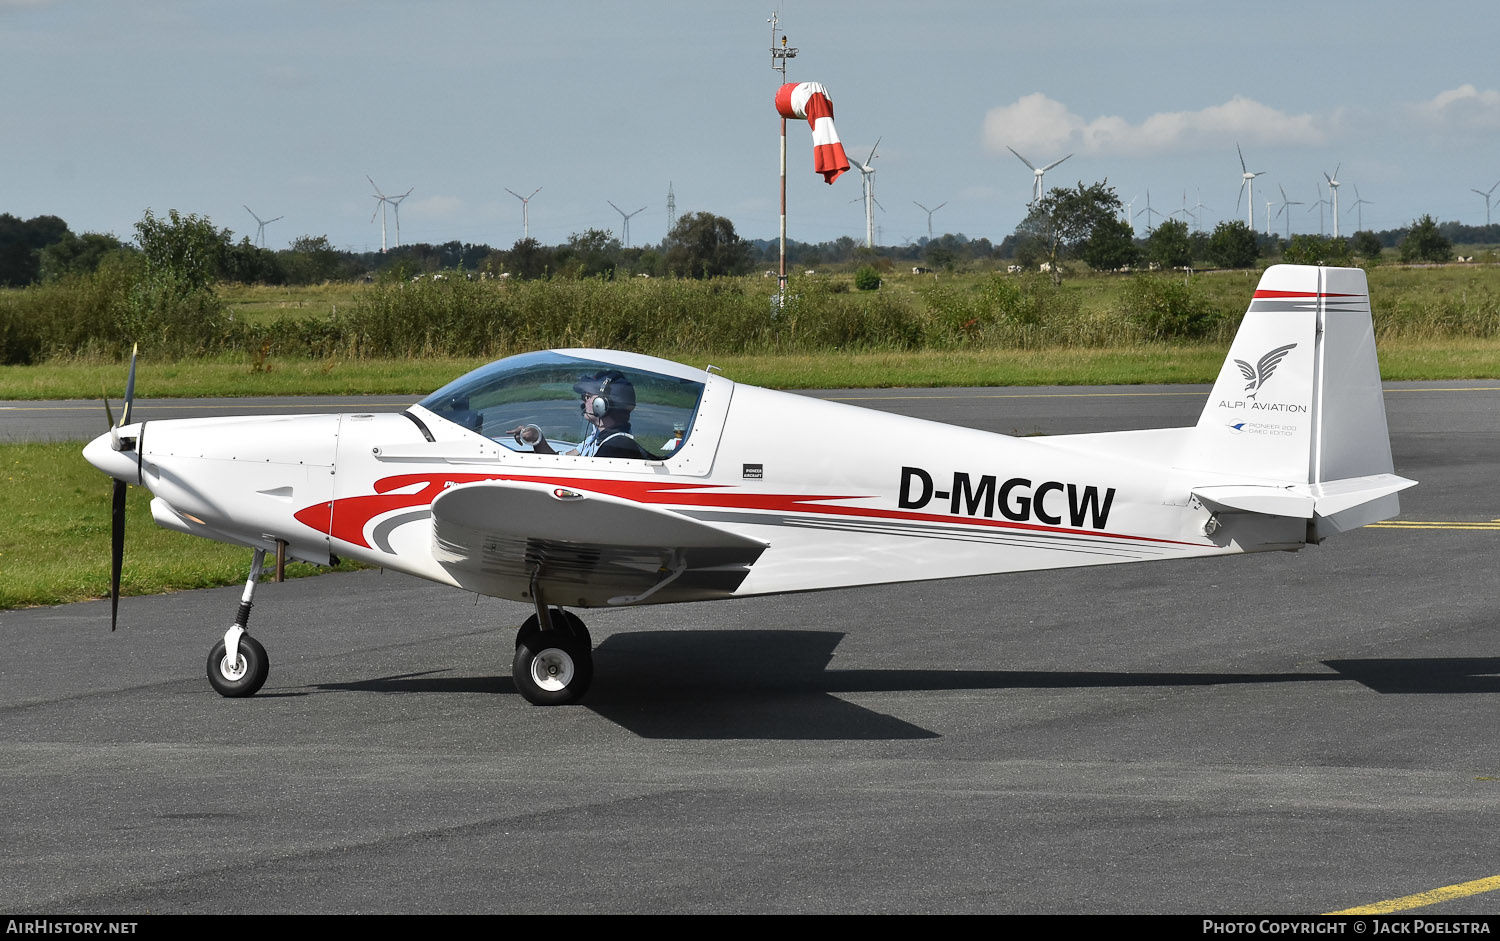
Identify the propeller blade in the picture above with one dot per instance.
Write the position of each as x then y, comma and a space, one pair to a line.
116, 551
130, 386
117, 503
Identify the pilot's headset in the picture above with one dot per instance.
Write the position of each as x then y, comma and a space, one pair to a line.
615, 393
599, 404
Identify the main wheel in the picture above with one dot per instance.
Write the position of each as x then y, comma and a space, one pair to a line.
552, 668
246, 675
561, 618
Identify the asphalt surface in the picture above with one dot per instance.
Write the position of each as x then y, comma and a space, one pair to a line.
1279, 733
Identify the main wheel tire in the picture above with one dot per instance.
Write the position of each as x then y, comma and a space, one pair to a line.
246, 675
552, 668
561, 618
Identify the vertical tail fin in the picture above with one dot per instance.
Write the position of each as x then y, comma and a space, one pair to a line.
1298, 404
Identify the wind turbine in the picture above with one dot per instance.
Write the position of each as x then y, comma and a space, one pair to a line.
395, 204
1484, 193
1130, 215
1360, 216
867, 177
1247, 180
1333, 184
1321, 203
260, 233
1285, 203
1148, 211
1197, 214
525, 207
1187, 213
625, 219
929, 215
1036, 174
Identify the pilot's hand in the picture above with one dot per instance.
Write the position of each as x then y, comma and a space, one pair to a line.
531, 435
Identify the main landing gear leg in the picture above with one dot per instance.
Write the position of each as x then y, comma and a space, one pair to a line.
237, 665
554, 662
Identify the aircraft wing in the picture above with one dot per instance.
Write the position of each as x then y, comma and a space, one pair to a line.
582, 548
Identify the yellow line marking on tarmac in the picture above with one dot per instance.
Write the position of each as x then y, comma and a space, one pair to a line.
1431, 897
1492, 525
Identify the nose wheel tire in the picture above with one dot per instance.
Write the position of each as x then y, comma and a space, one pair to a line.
552, 668
246, 675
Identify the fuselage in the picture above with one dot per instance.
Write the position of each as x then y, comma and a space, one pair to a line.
839, 495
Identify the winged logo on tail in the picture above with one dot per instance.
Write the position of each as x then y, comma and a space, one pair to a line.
1257, 375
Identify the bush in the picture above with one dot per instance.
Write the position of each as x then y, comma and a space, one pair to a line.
867, 278
1165, 309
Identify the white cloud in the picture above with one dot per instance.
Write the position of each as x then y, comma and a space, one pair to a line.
1044, 127
1464, 107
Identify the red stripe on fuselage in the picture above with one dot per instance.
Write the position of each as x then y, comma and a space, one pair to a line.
347, 517
1301, 294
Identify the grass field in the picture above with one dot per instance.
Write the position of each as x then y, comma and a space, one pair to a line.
54, 547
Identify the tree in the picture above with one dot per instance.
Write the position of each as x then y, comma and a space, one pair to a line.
1315, 250
186, 251
528, 259
703, 245
1233, 245
21, 244
1111, 246
1425, 243
77, 254
1168, 245
1367, 244
1065, 219
312, 260
589, 254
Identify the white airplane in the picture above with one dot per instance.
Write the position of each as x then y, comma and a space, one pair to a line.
676, 484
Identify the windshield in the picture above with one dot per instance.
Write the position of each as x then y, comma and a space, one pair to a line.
648, 412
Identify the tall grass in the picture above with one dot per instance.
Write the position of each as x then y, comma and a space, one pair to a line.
97, 316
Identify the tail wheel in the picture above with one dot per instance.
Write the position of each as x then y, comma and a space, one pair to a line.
246, 675
552, 668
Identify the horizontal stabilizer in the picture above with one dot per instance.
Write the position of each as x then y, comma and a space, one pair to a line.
1303, 500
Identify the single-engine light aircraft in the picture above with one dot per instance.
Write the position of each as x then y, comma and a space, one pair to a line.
588, 478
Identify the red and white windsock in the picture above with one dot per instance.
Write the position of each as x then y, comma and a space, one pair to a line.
810, 100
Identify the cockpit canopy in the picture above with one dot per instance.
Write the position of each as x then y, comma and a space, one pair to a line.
550, 390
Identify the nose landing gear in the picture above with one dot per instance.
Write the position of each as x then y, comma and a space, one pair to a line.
238, 665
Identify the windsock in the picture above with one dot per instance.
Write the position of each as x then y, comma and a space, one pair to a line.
810, 100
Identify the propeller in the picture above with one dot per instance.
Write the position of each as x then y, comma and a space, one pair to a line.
117, 505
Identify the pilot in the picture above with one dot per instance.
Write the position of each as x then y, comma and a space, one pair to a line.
606, 400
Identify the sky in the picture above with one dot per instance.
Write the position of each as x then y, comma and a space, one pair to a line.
237, 109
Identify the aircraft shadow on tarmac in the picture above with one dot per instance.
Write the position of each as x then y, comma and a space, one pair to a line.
759, 684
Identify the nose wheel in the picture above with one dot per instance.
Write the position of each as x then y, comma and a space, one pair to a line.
238, 665
245, 675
